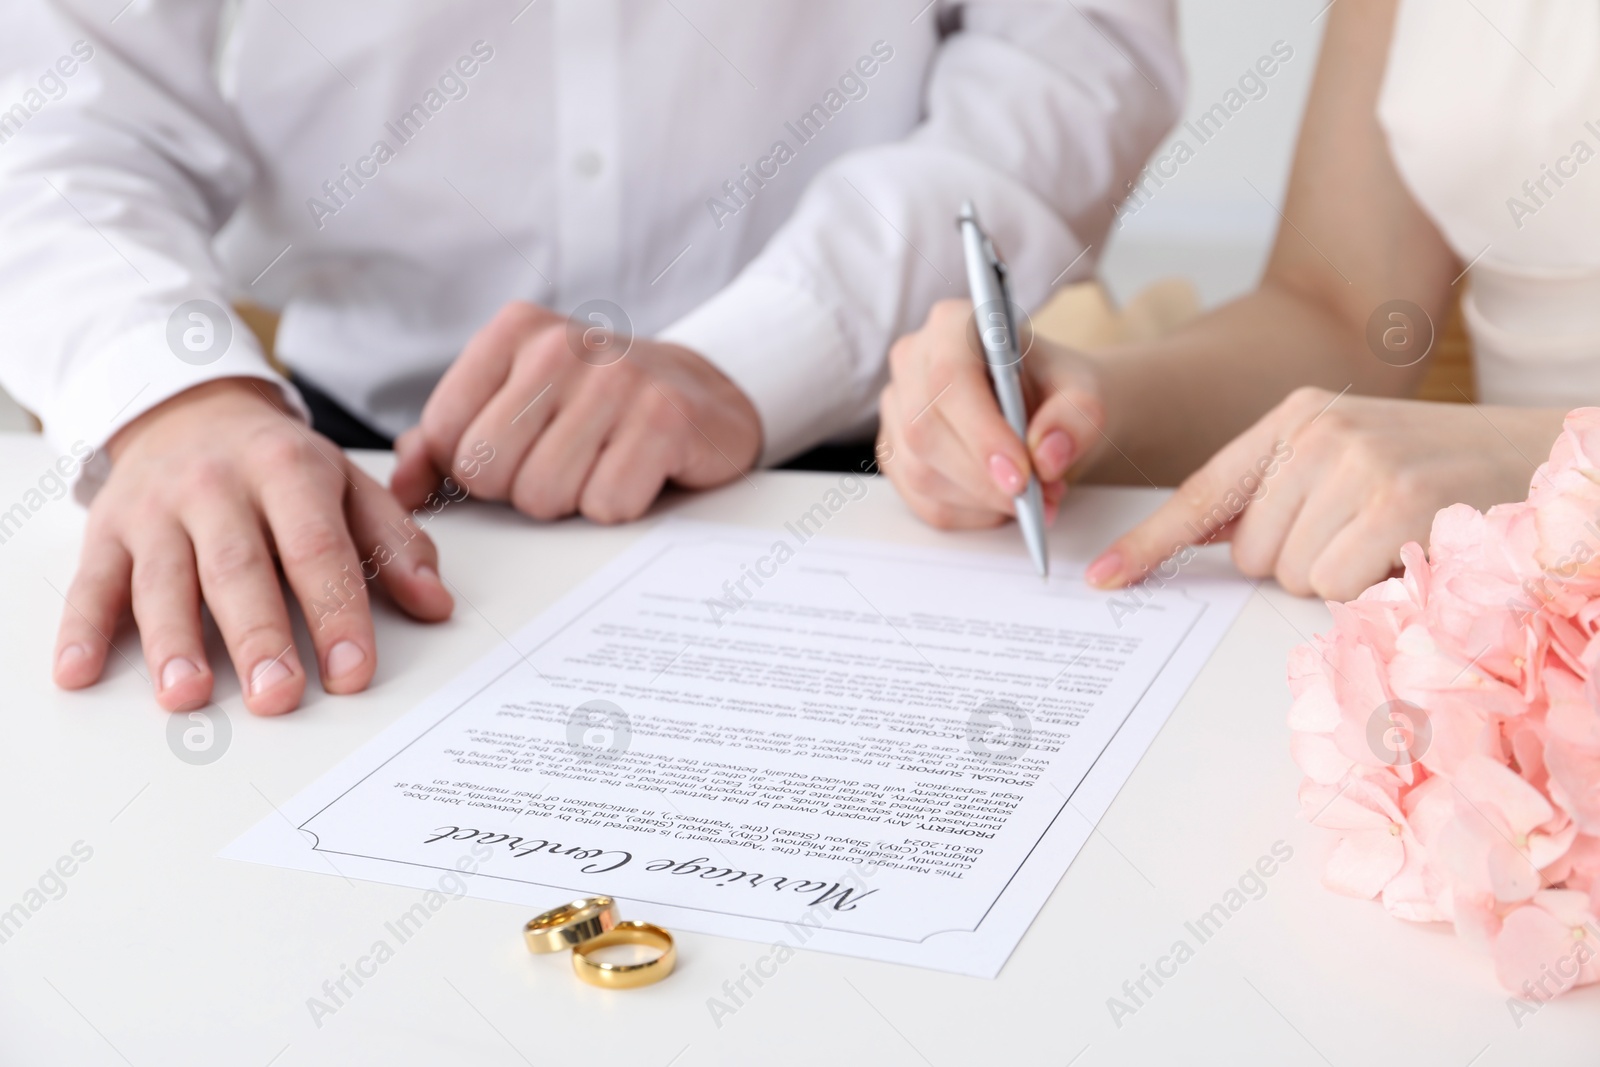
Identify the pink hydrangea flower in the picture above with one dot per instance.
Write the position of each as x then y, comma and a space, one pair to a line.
1449, 728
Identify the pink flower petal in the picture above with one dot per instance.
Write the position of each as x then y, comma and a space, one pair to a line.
1418, 892
1532, 950
1363, 862
1573, 716
1476, 920
1488, 784
1575, 782
1315, 710
1319, 758
1545, 849
1568, 906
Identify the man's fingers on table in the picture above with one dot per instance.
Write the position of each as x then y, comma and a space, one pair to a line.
240, 583
395, 550
414, 475
550, 479
629, 475
708, 417
166, 607
96, 600
546, 380
304, 510
485, 366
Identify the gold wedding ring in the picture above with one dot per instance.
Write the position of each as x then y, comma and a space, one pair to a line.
625, 975
571, 924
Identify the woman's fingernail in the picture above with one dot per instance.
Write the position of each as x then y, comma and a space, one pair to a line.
425, 570
1006, 475
1103, 571
343, 658
1054, 455
70, 655
267, 674
1051, 510
177, 669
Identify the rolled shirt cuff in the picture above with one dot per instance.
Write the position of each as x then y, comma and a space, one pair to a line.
785, 352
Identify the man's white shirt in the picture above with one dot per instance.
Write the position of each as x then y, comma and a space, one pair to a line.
772, 185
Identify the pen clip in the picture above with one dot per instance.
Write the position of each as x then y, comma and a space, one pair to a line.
996, 264
991, 255
1002, 284
987, 276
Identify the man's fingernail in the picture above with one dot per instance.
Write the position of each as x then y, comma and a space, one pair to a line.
267, 674
70, 655
177, 669
1054, 455
343, 658
1105, 570
425, 570
1006, 475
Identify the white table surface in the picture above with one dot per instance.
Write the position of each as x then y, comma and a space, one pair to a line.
159, 953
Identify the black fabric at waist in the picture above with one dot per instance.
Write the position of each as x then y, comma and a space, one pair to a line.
335, 422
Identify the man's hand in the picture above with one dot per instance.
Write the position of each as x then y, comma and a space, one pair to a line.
577, 419
946, 446
1324, 491
204, 491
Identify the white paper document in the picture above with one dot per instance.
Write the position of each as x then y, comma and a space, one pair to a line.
843, 745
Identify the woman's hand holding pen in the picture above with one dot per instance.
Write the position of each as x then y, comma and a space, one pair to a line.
1320, 493
946, 446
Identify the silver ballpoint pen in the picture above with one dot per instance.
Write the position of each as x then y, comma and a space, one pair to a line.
997, 330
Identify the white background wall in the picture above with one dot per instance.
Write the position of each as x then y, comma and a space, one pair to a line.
1206, 223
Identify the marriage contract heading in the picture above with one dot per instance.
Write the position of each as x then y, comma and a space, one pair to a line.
856, 747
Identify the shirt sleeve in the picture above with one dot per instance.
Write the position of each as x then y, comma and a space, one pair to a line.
116, 170
1039, 112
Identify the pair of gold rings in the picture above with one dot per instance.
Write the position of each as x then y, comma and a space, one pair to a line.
589, 924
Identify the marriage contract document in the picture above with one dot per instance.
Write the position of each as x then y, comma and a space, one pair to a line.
852, 746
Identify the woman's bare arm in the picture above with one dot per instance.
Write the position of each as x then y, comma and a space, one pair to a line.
1350, 239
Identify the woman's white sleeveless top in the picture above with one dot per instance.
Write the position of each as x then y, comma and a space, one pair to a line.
1492, 112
